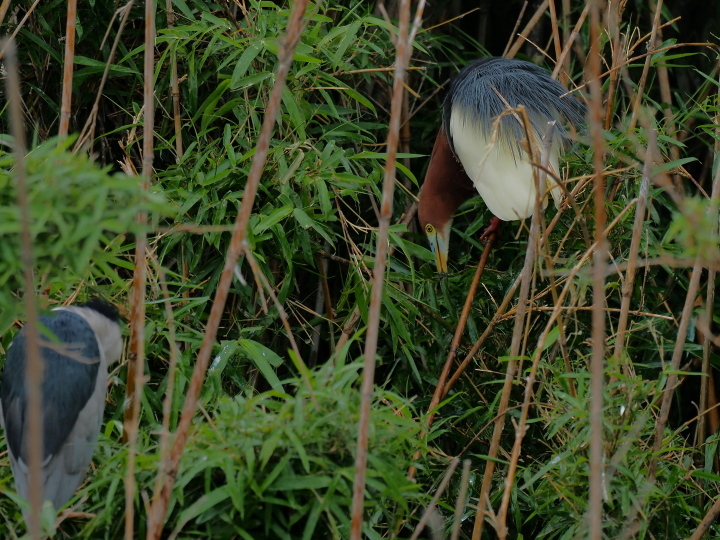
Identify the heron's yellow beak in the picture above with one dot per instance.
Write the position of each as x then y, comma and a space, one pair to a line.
439, 247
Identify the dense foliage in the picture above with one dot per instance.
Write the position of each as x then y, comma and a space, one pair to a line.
271, 454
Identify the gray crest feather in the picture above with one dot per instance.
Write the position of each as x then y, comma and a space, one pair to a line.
475, 90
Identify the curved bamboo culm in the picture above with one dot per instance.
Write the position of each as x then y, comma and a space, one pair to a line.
403, 45
34, 367
136, 348
169, 466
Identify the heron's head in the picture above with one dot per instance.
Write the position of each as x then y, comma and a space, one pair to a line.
446, 187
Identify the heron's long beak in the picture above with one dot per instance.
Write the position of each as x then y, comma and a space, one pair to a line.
439, 247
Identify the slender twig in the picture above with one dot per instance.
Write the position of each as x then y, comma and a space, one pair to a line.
69, 60
237, 246
461, 500
600, 255
174, 85
136, 356
515, 347
488, 330
34, 367
714, 511
646, 68
515, 28
710, 297
19, 27
88, 130
441, 384
403, 52
614, 17
283, 317
635, 244
540, 179
437, 396
568, 43
528, 28
433, 503
172, 369
555, 29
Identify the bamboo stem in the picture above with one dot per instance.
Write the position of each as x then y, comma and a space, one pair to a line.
161, 501
66, 105
403, 45
34, 367
136, 356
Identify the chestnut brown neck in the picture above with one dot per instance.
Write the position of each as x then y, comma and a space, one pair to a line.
445, 188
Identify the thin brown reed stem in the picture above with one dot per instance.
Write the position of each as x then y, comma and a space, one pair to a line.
433, 503
403, 46
68, 63
158, 509
627, 288
34, 367
172, 369
600, 255
19, 27
646, 67
437, 396
175, 86
136, 356
559, 65
528, 28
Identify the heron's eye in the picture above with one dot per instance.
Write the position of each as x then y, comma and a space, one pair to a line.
429, 229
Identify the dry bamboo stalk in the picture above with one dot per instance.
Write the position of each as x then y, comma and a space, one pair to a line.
528, 28
161, 501
614, 18
479, 343
136, 348
3, 10
69, 61
34, 367
565, 63
515, 29
600, 255
555, 30
440, 388
403, 47
635, 244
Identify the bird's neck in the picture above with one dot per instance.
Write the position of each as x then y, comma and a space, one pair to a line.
446, 185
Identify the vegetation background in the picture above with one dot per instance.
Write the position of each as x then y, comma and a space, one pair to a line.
271, 450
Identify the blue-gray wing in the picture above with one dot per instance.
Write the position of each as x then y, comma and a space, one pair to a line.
71, 359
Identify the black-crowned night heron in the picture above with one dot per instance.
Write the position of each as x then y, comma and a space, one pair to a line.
470, 156
78, 343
